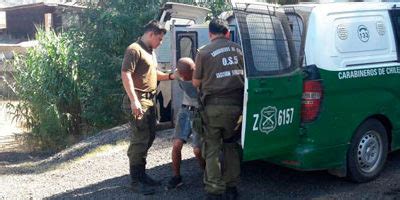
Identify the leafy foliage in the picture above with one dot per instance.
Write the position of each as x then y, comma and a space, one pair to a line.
72, 80
106, 30
47, 87
216, 6
104, 33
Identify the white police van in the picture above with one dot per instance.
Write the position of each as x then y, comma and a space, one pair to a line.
322, 87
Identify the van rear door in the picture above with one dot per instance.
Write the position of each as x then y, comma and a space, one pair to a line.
273, 81
179, 41
172, 10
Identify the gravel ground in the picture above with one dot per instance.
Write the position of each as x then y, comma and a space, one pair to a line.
97, 168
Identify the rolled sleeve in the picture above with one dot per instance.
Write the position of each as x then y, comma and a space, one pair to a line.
131, 58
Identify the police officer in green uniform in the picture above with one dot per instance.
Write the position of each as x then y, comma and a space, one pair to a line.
139, 76
219, 76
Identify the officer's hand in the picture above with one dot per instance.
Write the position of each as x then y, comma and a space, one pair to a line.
137, 110
172, 76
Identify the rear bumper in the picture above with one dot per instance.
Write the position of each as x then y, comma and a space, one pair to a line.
309, 157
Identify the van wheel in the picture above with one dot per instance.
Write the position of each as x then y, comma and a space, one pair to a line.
368, 151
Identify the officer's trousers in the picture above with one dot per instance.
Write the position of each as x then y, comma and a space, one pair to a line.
219, 126
142, 134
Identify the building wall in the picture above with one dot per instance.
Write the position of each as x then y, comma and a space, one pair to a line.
22, 23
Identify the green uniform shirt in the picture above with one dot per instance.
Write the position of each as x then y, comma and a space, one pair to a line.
142, 62
219, 66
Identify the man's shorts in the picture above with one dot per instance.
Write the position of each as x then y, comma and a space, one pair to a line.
183, 126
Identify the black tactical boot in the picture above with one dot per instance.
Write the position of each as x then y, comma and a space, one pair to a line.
147, 179
210, 196
138, 185
231, 193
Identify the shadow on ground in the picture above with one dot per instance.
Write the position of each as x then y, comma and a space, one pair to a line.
118, 187
28, 163
13, 157
259, 180
13, 151
12, 162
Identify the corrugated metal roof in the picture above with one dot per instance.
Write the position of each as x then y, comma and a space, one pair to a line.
13, 3
25, 6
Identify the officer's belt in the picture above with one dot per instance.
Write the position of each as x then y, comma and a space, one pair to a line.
146, 95
232, 139
222, 101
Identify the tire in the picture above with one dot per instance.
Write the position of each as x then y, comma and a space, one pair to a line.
367, 152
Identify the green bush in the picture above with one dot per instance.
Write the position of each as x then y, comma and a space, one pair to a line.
216, 6
47, 87
104, 33
72, 80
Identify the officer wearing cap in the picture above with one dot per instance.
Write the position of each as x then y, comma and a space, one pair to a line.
219, 76
139, 76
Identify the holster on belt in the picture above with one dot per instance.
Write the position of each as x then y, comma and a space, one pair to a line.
146, 95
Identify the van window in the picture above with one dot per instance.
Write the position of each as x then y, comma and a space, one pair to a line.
186, 46
264, 42
296, 26
232, 36
395, 17
234, 33
298, 19
267, 41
